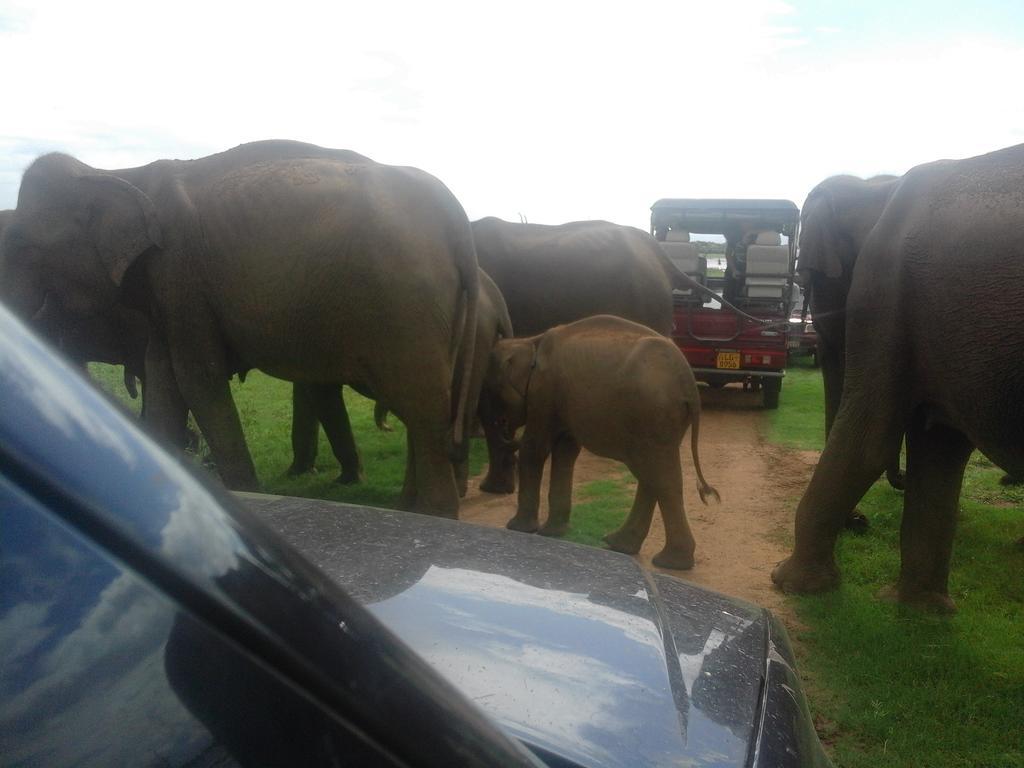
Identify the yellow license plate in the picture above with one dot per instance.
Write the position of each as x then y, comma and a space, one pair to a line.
728, 360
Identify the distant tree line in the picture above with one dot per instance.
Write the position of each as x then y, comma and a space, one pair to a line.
703, 246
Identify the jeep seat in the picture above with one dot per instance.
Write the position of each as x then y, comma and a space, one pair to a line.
767, 268
687, 259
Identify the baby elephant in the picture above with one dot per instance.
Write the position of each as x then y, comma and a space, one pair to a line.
618, 389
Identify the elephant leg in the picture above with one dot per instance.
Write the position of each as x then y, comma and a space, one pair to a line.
563, 460
202, 374
936, 459
849, 465
461, 469
533, 453
434, 482
333, 415
424, 406
666, 480
630, 535
305, 431
832, 372
164, 411
501, 461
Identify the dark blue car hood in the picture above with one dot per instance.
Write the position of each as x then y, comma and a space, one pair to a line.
585, 657
575, 650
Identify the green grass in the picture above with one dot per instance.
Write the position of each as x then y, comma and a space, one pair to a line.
899, 687
599, 508
799, 421
265, 408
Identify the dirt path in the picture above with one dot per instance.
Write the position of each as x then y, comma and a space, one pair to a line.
738, 541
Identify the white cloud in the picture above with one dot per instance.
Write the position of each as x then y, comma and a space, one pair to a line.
900, 108
550, 693
556, 110
495, 589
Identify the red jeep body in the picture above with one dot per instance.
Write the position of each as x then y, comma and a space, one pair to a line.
720, 344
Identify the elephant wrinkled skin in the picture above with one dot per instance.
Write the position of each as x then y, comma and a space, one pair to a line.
619, 390
313, 265
933, 349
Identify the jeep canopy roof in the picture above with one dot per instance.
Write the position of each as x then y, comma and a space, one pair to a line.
720, 215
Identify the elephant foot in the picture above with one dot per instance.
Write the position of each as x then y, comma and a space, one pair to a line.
623, 541
857, 522
554, 529
523, 524
1009, 479
936, 602
300, 469
678, 558
498, 484
793, 578
350, 477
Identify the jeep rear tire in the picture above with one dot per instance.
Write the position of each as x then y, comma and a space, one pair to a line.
770, 389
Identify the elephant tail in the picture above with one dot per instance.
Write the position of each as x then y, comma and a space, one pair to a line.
705, 490
465, 332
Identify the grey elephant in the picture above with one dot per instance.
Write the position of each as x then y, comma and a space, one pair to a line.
933, 346
120, 339
313, 265
550, 275
493, 324
836, 219
620, 390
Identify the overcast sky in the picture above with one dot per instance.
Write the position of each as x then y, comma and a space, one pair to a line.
555, 110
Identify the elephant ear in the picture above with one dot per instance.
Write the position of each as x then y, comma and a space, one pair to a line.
123, 222
819, 242
517, 361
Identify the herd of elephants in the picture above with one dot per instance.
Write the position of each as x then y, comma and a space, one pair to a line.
325, 268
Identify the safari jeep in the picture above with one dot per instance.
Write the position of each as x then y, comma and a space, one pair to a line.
722, 344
